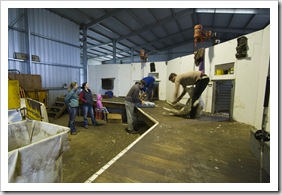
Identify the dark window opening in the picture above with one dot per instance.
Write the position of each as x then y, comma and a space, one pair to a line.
108, 83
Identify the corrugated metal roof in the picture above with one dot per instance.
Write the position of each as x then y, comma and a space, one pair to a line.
157, 29
152, 29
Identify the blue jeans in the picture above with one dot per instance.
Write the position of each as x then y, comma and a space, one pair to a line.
149, 91
72, 115
88, 109
146, 104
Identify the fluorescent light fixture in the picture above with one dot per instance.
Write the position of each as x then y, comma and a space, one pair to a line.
227, 11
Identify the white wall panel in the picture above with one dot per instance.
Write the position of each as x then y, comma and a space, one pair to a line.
121, 73
161, 68
136, 72
172, 66
124, 79
249, 74
125, 76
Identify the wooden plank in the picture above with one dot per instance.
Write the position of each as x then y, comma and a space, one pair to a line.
135, 173
114, 118
195, 151
110, 177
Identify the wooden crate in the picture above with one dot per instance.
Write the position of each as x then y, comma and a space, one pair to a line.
114, 118
30, 82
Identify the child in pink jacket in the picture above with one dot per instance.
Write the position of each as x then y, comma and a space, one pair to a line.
99, 104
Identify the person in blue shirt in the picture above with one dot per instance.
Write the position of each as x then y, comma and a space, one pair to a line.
72, 103
149, 87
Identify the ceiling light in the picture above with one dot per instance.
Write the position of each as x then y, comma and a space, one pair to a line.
226, 11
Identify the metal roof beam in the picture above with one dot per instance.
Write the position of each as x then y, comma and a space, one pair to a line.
109, 54
222, 30
231, 30
104, 17
125, 26
106, 43
62, 15
178, 24
161, 22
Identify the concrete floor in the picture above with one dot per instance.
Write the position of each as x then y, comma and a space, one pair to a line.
206, 150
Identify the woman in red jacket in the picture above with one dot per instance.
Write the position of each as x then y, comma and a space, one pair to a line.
86, 98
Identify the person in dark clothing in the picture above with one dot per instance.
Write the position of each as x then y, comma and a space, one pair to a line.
86, 98
71, 100
131, 100
197, 78
149, 87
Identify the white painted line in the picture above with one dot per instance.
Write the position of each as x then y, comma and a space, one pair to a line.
105, 167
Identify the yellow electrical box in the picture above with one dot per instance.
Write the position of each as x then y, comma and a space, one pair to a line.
14, 98
39, 95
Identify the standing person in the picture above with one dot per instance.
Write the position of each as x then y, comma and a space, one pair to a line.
131, 100
71, 101
86, 98
149, 87
197, 78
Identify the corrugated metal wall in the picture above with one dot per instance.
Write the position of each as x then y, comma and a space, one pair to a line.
47, 29
54, 39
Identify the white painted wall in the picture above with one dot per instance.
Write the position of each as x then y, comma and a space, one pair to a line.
125, 76
161, 68
179, 66
249, 74
124, 79
94, 62
96, 73
172, 66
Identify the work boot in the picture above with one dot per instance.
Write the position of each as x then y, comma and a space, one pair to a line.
131, 131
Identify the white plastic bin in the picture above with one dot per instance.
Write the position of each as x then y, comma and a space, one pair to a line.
35, 151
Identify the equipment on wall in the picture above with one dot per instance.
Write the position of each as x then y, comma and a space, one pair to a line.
152, 67
143, 55
201, 35
242, 47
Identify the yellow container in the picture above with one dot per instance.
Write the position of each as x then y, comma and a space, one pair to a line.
39, 95
14, 98
219, 72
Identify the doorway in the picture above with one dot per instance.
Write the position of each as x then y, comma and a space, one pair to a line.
223, 97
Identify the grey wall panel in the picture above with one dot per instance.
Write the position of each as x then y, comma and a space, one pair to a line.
20, 66
53, 94
15, 17
17, 43
59, 75
53, 38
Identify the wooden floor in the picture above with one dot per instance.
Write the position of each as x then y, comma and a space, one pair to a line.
206, 150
